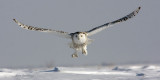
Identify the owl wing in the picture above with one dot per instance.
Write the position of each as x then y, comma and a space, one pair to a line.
58, 33
107, 25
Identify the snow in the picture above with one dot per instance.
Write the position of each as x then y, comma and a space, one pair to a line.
122, 72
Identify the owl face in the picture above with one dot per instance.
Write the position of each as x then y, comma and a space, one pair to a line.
80, 38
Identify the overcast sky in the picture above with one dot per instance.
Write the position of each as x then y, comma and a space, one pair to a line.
134, 41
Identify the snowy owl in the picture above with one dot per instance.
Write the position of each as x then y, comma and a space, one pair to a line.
80, 40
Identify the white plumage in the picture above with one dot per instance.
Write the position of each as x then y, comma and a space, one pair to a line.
80, 40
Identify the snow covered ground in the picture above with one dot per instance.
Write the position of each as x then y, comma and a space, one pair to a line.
122, 72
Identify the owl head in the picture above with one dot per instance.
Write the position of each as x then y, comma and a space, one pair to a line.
79, 37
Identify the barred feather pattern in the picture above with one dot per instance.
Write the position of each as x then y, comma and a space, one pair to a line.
107, 25
59, 33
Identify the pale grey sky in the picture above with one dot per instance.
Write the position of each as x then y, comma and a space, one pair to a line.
136, 40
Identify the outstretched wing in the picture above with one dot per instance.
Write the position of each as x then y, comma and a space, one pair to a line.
107, 25
58, 33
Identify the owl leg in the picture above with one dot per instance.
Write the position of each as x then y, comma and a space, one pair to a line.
75, 55
84, 50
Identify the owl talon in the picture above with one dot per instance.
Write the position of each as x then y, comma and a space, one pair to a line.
84, 52
74, 55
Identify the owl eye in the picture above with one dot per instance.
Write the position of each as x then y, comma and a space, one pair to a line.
81, 35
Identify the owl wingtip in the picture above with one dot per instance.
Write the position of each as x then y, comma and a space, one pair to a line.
14, 19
